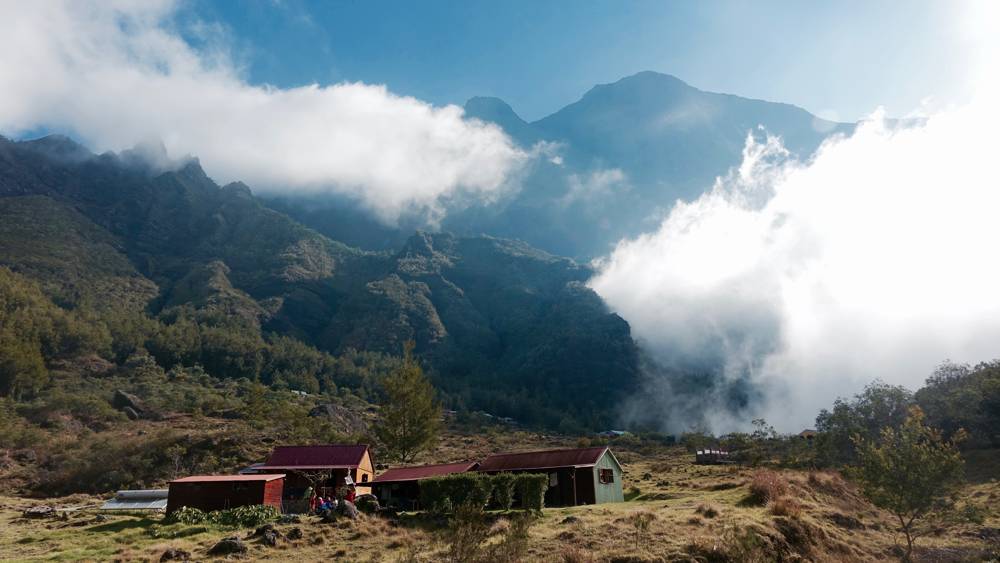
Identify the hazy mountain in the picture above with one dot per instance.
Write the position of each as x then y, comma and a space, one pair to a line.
609, 165
625, 153
499, 324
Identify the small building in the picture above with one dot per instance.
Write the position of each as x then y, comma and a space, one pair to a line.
577, 476
711, 457
326, 468
400, 486
219, 492
148, 499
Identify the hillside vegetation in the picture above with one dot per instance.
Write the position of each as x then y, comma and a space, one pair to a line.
164, 262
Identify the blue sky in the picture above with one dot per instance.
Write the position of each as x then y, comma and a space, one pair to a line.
840, 59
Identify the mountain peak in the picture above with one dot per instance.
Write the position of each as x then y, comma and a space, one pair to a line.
495, 110
59, 147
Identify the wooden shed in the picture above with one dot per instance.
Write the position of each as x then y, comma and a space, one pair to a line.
400, 486
577, 476
325, 467
219, 492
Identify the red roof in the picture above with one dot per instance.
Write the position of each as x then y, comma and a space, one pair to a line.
220, 478
549, 459
316, 457
424, 471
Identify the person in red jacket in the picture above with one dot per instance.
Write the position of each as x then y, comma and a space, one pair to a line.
350, 494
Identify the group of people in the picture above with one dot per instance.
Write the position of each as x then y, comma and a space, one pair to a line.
319, 504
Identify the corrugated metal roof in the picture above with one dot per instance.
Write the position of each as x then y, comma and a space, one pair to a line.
219, 478
549, 459
150, 499
331, 456
397, 474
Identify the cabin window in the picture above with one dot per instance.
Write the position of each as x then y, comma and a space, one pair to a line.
607, 476
364, 477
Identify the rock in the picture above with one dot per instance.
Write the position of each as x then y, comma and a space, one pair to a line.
328, 516
570, 520
100, 518
347, 508
173, 554
228, 546
290, 519
270, 538
123, 400
368, 504
131, 414
39, 512
294, 534
266, 528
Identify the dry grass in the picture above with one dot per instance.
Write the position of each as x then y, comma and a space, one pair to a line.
767, 486
685, 511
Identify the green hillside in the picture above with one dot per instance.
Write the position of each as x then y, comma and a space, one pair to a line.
201, 275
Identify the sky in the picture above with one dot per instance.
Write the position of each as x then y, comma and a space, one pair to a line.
840, 60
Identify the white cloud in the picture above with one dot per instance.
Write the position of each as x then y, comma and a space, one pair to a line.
874, 260
115, 73
594, 186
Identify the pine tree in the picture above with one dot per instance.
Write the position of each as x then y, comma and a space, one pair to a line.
410, 418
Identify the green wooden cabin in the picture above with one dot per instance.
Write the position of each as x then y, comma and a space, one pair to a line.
576, 476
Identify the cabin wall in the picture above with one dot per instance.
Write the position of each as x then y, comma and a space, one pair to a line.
607, 492
220, 495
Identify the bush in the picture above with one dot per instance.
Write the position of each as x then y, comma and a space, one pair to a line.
531, 490
503, 490
767, 486
785, 506
445, 494
239, 517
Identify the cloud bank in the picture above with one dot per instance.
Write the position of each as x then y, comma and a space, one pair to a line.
805, 281
116, 73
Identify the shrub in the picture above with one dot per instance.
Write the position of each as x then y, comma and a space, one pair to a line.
531, 489
503, 490
641, 521
443, 494
785, 506
239, 517
767, 486
707, 511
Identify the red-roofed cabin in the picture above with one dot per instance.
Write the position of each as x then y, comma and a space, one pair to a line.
577, 476
219, 492
400, 486
327, 466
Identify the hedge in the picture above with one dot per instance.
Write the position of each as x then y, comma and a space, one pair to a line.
531, 489
444, 494
503, 490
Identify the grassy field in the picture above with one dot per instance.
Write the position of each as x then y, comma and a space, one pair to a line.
677, 511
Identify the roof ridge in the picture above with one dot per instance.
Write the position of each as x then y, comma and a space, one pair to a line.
552, 450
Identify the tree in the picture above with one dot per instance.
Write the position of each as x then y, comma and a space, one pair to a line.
410, 418
910, 471
879, 406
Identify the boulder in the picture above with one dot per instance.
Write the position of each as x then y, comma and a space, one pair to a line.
347, 508
123, 400
294, 534
42, 511
173, 554
270, 538
229, 546
131, 414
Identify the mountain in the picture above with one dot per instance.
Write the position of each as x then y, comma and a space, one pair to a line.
608, 166
500, 325
626, 152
